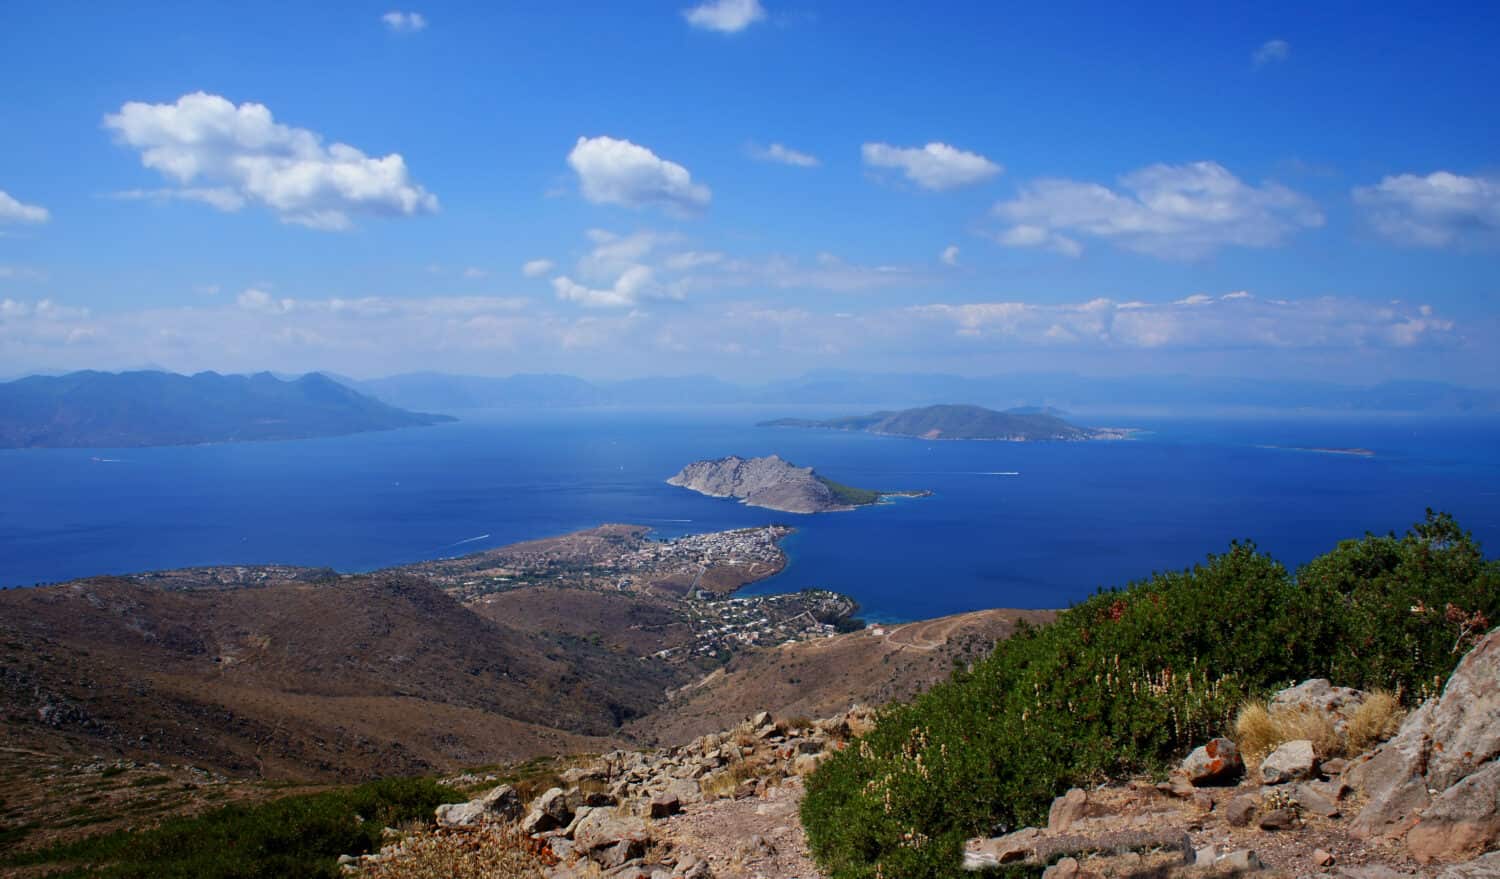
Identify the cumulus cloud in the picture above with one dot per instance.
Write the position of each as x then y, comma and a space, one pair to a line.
783, 154
1172, 211
936, 166
625, 291
404, 22
227, 155
1272, 52
949, 256
613, 171
12, 210
724, 16
535, 268
1441, 209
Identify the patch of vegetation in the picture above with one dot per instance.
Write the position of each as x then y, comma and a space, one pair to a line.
292, 836
1131, 679
847, 494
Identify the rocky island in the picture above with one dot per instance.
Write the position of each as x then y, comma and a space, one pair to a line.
777, 484
953, 422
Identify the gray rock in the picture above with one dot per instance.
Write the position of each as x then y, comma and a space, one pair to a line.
665, 804
1241, 810
1067, 868
982, 854
1315, 801
499, 804
1066, 809
1483, 867
1217, 761
1322, 697
1436, 782
1206, 856
1243, 860
1290, 762
1278, 819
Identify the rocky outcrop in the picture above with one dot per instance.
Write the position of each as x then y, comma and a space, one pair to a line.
1320, 696
1437, 783
769, 482
1291, 761
500, 804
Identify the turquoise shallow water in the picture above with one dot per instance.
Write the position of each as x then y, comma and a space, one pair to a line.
1022, 525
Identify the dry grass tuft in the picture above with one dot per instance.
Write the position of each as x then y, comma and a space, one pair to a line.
1260, 729
1376, 720
494, 852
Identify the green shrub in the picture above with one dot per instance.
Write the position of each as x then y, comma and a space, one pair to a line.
1130, 680
292, 836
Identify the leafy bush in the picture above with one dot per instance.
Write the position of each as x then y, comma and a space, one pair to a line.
1130, 680
292, 836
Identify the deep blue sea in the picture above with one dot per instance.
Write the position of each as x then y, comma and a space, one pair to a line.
1010, 525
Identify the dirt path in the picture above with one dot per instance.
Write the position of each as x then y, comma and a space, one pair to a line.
754, 838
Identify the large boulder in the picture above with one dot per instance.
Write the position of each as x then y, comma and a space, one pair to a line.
500, 804
1320, 696
1437, 782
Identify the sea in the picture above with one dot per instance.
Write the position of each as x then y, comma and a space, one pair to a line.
1022, 525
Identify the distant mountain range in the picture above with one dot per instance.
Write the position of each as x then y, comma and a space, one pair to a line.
955, 422
114, 410
1041, 393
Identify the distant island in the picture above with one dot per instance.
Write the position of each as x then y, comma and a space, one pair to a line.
132, 409
951, 422
777, 484
1322, 450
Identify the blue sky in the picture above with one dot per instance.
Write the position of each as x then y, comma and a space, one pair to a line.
752, 188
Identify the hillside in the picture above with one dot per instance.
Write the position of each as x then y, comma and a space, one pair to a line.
952, 422
775, 484
129, 409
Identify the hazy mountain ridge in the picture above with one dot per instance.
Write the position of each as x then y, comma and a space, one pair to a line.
1039, 393
113, 410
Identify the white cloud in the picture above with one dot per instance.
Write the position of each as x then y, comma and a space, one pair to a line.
13, 210
783, 154
724, 16
1173, 211
949, 255
474, 273
1440, 210
625, 291
612, 171
404, 22
239, 154
1232, 321
1027, 235
535, 268
936, 166
1271, 52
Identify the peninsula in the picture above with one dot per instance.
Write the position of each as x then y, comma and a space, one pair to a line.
955, 422
777, 484
92, 409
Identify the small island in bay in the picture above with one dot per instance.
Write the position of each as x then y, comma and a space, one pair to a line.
777, 484
956, 422
1322, 450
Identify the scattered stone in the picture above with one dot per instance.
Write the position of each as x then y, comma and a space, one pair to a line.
1292, 761
1483, 867
1333, 767
755, 848
1371, 871
665, 804
1240, 810
1314, 801
1243, 860
1322, 858
1206, 856
1278, 819
1216, 762
1067, 868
